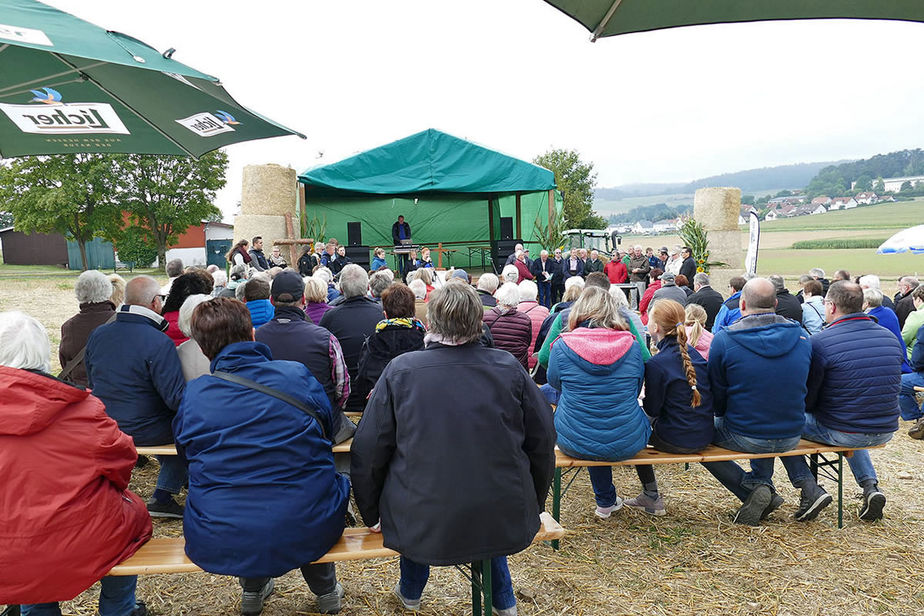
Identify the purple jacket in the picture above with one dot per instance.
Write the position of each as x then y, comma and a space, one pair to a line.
316, 310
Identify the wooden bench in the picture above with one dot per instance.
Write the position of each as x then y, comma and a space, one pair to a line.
170, 450
830, 467
168, 555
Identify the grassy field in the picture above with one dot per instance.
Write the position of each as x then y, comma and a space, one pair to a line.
888, 216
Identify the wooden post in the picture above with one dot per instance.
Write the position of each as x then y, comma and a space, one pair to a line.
290, 235
519, 219
302, 210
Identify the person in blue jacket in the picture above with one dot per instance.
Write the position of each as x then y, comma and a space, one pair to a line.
378, 260
757, 370
264, 497
597, 366
730, 310
133, 367
256, 296
852, 401
907, 399
678, 400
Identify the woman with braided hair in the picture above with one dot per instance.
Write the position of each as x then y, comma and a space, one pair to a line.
677, 398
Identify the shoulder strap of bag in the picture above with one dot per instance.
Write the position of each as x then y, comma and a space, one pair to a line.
269, 391
77, 359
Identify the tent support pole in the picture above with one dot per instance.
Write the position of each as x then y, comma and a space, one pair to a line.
519, 219
551, 205
490, 219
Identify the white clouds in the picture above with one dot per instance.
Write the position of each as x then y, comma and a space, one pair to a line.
520, 76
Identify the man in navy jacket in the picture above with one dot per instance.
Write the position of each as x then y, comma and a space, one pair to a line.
757, 369
852, 399
132, 366
545, 269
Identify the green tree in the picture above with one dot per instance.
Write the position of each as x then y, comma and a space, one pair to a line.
576, 180
71, 194
864, 183
906, 186
6, 220
747, 200
136, 247
879, 186
164, 195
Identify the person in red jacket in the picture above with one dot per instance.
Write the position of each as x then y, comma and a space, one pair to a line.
68, 516
616, 270
522, 268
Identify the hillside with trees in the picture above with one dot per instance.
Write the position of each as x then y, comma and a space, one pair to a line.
749, 181
836, 180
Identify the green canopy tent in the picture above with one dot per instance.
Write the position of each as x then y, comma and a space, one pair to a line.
451, 192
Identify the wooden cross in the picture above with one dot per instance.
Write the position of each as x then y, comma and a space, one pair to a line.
292, 242
440, 250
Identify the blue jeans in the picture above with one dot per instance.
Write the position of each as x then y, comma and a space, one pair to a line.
116, 598
732, 476
172, 474
601, 478
906, 400
414, 577
545, 293
860, 463
551, 394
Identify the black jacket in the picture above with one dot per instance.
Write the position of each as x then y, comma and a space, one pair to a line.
352, 322
487, 299
688, 268
903, 307
259, 260
306, 263
558, 275
788, 306
383, 346
711, 300
551, 266
428, 464
394, 232
291, 336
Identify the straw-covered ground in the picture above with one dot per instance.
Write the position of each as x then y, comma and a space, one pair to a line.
692, 561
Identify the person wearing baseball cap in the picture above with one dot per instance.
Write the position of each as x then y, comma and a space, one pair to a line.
291, 335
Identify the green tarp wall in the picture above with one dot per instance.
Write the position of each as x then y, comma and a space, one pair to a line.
454, 220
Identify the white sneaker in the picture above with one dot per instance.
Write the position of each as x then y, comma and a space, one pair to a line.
409, 604
605, 512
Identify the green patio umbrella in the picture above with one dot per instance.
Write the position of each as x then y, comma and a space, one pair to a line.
69, 86
613, 17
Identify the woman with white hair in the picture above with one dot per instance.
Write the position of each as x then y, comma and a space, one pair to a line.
68, 515
628, 315
94, 291
510, 273
325, 274
192, 360
512, 330
420, 299
529, 292
220, 281
316, 298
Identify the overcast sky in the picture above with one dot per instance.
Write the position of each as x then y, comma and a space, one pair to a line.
520, 77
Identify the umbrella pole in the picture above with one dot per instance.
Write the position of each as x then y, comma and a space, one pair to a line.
127, 106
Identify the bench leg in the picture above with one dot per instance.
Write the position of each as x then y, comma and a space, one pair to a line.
840, 490
556, 501
476, 589
486, 587
813, 465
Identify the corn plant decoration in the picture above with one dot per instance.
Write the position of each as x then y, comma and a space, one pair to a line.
693, 235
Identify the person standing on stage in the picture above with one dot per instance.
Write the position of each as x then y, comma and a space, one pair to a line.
401, 231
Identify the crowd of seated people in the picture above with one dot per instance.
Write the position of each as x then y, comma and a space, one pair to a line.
266, 367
